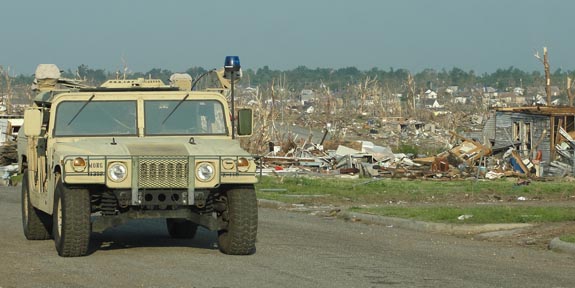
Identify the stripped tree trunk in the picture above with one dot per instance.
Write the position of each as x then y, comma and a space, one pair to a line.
545, 62
570, 95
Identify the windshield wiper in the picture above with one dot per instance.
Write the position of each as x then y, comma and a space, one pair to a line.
174, 110
81, 108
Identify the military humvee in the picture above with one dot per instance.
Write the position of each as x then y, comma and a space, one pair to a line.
95, 157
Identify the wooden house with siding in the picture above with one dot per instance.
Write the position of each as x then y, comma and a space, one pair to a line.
530, 130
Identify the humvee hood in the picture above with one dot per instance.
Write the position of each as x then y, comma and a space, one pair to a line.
145, 147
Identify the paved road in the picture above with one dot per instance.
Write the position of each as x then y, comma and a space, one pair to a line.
303, 133
294, 250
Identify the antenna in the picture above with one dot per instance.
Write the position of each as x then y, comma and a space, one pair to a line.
232, 66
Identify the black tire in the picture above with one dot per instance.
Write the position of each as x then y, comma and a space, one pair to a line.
181, 228
35, 223
242, 212
71, 217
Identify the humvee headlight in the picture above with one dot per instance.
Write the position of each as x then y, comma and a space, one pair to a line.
79, 164
205, 171
243, 164
117, 172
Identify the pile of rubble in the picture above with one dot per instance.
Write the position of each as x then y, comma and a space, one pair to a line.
566, 150
467, 158
518, 151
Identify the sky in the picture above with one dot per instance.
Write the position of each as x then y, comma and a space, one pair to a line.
478, 35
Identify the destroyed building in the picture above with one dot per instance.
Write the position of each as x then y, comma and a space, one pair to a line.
533, 131
9, 126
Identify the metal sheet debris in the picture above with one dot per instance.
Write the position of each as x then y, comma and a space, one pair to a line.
508, 146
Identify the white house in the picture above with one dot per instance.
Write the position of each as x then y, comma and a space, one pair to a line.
451, 89
460, 100
432, 103
430, 94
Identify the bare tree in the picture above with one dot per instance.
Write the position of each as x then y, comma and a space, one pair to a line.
267, 116
366, 90
392, 103
7, 91
410, 95
273, 103
545, 62
570, 95
263, 125
330, 106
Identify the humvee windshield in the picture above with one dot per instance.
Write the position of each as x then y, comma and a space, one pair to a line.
118, 118
96, 118
191, 117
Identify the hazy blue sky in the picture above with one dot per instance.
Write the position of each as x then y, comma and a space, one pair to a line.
479, 35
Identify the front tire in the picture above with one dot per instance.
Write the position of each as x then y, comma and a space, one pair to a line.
35, 223
71, 219
181, 228
239, 238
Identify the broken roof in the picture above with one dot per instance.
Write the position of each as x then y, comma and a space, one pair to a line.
540, 110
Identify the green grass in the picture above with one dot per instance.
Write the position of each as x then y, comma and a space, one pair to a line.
430, 200
385, 190
16, 179
568, 238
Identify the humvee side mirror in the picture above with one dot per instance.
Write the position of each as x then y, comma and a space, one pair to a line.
245, 122
33, 122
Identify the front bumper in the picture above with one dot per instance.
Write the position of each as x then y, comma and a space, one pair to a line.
159, 173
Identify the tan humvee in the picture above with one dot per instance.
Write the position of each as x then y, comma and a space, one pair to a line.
93, 158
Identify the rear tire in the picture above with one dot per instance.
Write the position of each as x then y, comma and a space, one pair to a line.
181, 228
71, 219
35, 223
239, 238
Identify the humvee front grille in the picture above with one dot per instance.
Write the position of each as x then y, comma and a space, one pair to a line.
163, 173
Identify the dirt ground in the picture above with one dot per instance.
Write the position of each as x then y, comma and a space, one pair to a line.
537, 236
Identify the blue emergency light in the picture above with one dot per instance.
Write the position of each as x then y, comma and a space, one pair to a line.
232, 63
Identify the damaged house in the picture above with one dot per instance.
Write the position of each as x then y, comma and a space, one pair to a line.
9, 129
533, 131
